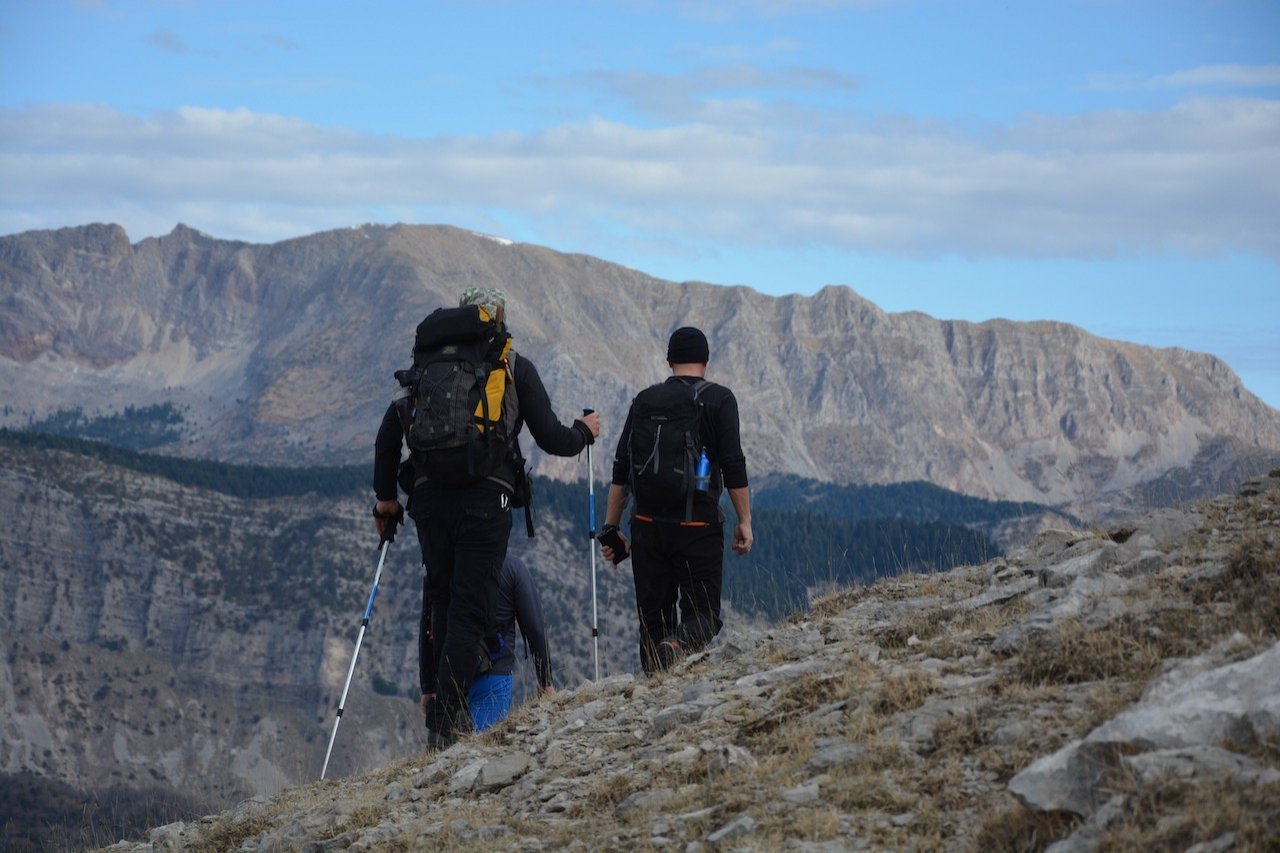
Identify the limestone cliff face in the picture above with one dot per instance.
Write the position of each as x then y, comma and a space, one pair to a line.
163, 634
284, 352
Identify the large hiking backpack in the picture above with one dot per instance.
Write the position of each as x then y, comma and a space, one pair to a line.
665, 446
463, 407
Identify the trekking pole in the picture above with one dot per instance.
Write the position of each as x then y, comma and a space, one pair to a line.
591, 537
388, 536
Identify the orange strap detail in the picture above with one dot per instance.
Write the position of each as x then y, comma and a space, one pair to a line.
682, 523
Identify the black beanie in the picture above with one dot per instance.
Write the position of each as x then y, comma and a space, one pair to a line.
688, 346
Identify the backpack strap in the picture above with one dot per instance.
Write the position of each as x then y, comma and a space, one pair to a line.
691, 451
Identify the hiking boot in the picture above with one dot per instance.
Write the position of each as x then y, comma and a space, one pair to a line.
668, 653
439, 741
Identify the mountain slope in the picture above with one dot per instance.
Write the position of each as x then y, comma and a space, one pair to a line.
1117, 689
284, 352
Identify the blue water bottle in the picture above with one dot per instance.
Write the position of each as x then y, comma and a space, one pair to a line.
703, 475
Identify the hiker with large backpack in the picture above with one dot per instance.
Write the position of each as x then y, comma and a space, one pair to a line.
469, 395
489, 696
680, 448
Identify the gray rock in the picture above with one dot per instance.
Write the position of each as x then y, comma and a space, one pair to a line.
802, 795
697, 690
465, 779
1000, 594
646, 800
1076, 566
1221, 844
1067, 780
1199, 761
501, 772
1049, 543
167, 837
1178, 671
1208, 574
835, 756
1087, 837
669, 719
1145, 563
743, 824
728, 757
786, 672
1012, 733
1093, 557
918, 725
343, 841
1237, 703
589, 711
489, 832
1178, 725
1170, 526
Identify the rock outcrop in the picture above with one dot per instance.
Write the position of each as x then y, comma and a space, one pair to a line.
1114, 689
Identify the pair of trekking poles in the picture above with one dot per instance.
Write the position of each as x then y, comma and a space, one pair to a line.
384, 543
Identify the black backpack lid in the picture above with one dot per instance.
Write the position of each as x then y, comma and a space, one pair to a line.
446, 326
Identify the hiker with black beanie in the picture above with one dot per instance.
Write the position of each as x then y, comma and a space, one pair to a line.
464, 519
679, 448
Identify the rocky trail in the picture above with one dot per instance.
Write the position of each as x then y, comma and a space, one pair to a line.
1117, 688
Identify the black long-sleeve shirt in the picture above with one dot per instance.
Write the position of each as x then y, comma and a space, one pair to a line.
720, 435
534, 407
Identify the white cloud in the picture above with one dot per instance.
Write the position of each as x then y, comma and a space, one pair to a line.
1245, 76
1201, 177
718, 94
1203, 77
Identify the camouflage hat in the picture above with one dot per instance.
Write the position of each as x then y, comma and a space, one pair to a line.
491, 299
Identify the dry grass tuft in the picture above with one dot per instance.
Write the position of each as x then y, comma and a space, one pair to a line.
961, 735
1250, 586
1175, 814
361, 818
231, 834
1069, 654
1017, 829
832, 605
611, 790
904, 692
796, 701
922, 624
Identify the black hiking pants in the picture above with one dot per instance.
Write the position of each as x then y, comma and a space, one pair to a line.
464, 535
678, 571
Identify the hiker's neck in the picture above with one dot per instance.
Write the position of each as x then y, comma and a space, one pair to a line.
689, 369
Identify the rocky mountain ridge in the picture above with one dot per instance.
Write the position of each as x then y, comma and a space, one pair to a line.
1109, 689
284, 352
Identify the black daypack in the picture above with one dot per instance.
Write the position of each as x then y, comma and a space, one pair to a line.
463, 407
665, 445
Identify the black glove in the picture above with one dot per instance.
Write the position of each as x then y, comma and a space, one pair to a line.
391, 520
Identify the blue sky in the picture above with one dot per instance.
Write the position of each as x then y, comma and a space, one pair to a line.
1109, 163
